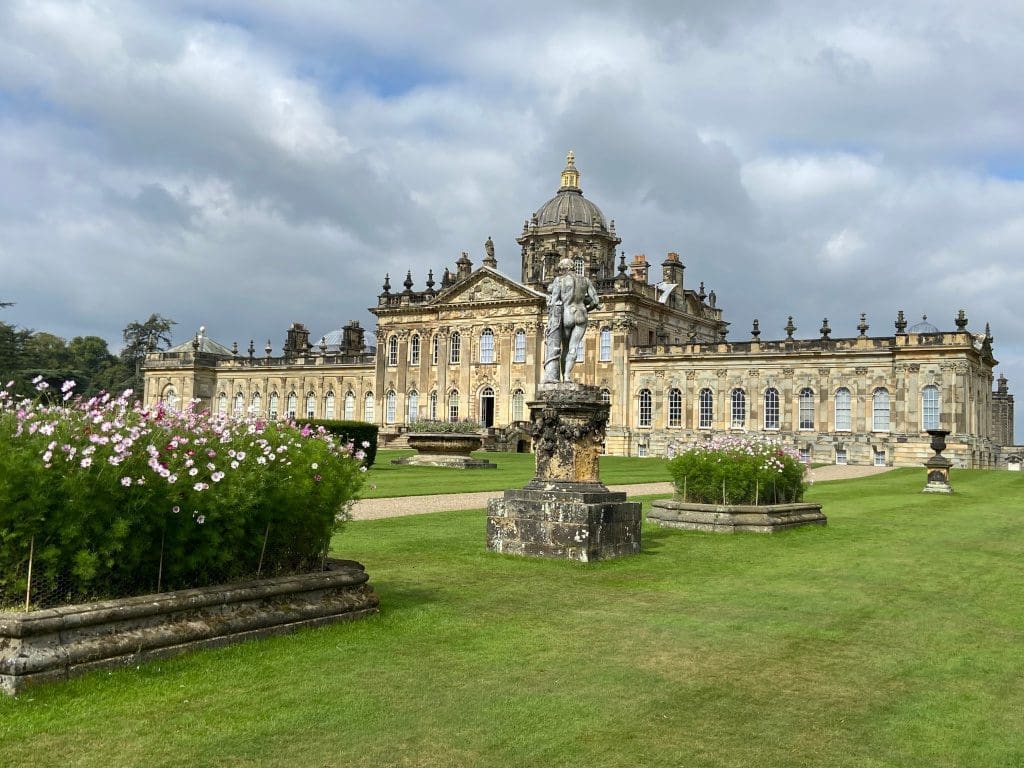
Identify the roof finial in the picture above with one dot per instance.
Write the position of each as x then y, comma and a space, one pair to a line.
570, 176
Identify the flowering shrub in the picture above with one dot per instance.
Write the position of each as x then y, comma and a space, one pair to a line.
114, 499
446, 427
736, 470
358, 432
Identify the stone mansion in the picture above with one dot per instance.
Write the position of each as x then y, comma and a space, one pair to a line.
470, 346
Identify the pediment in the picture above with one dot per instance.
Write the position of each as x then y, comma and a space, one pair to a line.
487, 285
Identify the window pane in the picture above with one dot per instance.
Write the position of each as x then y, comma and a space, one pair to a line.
453, 406
706, 409
880, 410
843, 418
739, 409
606, 345
393, 350
806, 414
519, 353
455, 349
414, 350
413, 409
518, 400
771, 409
644, 405
329, 406
675, 408
930, 407
487, 346
390, 401
350, 406
368, 409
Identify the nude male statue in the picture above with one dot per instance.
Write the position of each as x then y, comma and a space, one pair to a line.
570, 297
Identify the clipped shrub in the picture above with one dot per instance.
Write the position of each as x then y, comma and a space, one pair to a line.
113, 499
736, 470
359, 433
445, 427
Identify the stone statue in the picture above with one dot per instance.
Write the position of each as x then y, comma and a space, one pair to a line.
570, 297
489, 248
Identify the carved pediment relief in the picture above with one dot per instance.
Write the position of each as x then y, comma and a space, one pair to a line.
487, 285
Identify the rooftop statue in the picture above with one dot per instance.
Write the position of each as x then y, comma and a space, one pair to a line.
570, 297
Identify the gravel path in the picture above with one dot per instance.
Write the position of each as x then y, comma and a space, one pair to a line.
400, 506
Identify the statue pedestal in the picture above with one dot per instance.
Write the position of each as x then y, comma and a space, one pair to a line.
565, 511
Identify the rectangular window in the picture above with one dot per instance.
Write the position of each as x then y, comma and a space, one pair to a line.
771, 409
840, 455
843, 410
414, 350
455, 349
806, 411
605, 354
644, 409
880, 411
519, 352
705, 409
675, 408
453, 406
805, 455
641, 451
930, 407
879, 458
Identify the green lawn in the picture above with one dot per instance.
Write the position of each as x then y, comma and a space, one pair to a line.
514, 470
892, 637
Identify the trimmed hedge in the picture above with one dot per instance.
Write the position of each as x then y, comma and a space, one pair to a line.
356, 432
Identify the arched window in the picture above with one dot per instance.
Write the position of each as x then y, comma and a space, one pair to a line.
577, 265
739, 409
432, 406
605, 345
274, 405
455, 349
310, 405
368, 409
675, 407
393, 350
519, 347
518, 403
329, 405
705, 409
844, 416
414, 349
771, 408
880, 410
453, 405
257, 404
390, 406
930, 407
239, 407
170, 397
805, 414
222, 404
413, 406
291, 404
433, 349
487, 346
643, 413
350, 406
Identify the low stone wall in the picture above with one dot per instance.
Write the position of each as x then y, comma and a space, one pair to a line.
57, 643
723, 518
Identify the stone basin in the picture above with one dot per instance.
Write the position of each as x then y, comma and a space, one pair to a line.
445, 449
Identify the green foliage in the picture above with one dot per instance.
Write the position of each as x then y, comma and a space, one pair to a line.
733, 470
361, 434
445, 427
111, 498
140, 339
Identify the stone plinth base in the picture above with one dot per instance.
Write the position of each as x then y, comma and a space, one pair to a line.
729, 519
582, 525
442, 460
57, 643
937, 486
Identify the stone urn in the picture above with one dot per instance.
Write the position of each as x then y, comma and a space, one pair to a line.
938, 466
445, 449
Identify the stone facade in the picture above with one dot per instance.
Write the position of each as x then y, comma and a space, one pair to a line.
471, 347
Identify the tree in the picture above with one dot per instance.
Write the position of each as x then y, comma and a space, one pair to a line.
141, 338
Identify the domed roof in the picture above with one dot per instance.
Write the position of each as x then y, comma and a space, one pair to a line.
923, 327
569, 203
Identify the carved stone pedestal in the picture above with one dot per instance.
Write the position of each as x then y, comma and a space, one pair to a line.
565, 511
938, 465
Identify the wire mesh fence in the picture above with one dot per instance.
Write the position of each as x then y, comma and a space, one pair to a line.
37, 580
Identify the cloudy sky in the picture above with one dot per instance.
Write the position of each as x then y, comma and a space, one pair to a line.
244, 165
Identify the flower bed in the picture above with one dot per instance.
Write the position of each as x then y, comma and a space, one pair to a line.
734, 484
737, 470
104, 498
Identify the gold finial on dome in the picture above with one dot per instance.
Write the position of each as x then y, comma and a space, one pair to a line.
570, 176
